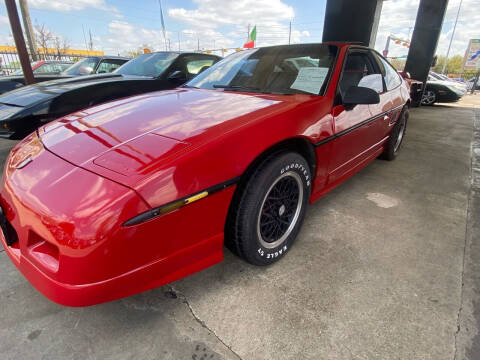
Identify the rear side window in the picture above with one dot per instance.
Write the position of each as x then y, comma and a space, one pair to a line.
392, 79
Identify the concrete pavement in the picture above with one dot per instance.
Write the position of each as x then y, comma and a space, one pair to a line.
376, 273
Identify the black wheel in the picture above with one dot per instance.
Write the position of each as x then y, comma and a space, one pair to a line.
397, 135
269, 209
429, 97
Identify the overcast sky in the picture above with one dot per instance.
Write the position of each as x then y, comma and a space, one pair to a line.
121, 25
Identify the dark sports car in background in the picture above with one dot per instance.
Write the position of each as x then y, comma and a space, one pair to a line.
441, 90
126, 196
86, 66
25, 109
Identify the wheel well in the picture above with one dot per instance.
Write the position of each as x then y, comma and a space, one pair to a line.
299, 145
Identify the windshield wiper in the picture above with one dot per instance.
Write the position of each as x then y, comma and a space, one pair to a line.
235, 87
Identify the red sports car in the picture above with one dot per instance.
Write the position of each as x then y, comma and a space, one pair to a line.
135, 193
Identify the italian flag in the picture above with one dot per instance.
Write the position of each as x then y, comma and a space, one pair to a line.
251, 39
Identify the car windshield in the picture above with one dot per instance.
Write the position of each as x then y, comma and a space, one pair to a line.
82, 67
153, 64
285, 70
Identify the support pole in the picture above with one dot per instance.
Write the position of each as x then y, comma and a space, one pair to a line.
351, 21
19, 41
426, 33
27, 24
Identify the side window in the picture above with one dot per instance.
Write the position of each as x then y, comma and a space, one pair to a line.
107, 66
195, 66
392, 79
360, 71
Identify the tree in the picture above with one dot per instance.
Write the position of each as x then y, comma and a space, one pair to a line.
454, 65
44, 37
61, 45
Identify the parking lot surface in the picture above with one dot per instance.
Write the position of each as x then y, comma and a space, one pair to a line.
384, 268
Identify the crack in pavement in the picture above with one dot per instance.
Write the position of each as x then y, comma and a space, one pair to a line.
200, 321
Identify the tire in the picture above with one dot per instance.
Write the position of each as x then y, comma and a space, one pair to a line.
268, 211
429, 98
394, 143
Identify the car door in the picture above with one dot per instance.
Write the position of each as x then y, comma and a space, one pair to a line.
355, 130
391, 102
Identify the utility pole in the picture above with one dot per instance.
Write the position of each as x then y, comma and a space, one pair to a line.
387, 46
178, 41
451, 39
248, 32
19, 41
290, 32
198, 43
90, 44
27, 24
84, 38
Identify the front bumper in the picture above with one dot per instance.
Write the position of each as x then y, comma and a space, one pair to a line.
200, 256
71, 243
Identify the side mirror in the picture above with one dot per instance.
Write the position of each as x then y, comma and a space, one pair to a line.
357, 95
85, 70
177, 77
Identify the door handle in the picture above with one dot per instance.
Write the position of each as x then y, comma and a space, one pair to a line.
386, 117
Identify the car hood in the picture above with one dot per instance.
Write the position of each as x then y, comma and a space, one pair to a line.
43, 91
130, 136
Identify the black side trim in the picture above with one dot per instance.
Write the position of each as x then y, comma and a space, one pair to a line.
176, 204
356, 126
